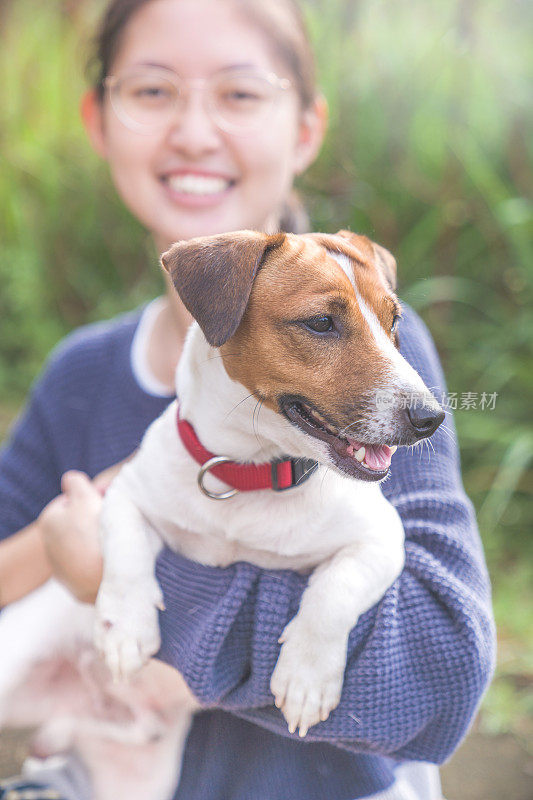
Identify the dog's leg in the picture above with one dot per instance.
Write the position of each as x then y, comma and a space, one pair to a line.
46, 624
125, 770
308, 677
127, 625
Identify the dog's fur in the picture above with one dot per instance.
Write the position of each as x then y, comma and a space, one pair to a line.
252, 296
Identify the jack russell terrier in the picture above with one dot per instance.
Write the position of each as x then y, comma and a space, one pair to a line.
294, 342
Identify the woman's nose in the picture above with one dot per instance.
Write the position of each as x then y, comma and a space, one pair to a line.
191, 128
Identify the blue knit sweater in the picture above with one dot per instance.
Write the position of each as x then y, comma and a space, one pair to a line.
418, 661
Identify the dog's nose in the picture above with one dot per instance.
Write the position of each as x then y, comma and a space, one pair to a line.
424, 420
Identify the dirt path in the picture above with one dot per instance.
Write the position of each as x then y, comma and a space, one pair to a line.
489, 768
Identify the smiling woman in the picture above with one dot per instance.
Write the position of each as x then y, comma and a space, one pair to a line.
198, 139
178, 112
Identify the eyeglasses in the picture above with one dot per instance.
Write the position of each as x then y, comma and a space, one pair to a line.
237, 101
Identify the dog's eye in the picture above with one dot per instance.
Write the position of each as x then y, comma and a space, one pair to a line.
321, 324
395, 321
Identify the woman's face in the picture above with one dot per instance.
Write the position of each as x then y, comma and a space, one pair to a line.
190, 178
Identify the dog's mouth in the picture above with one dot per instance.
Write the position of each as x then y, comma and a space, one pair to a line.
363, 460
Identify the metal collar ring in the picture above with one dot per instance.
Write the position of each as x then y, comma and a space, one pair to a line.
205, 468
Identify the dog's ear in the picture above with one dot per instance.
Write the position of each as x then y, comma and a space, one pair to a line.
214, 275
385, 261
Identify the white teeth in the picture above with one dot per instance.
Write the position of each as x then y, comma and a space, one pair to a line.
393, 449
197, 184
360, 454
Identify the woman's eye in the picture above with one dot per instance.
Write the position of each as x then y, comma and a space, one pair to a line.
321, 324
151, 93
238, 95
395, 321
237, 99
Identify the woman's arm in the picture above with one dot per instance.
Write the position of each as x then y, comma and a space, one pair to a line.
418, 662
24, 564
47, 524
59, 429
63, 542
27, 482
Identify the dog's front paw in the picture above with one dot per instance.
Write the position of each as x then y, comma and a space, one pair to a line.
127, 625
307, 680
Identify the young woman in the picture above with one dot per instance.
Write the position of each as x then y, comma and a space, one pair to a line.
205, 111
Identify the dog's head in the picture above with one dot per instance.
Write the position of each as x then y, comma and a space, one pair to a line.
308, 324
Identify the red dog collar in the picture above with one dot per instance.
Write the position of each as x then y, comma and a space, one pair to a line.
280, 474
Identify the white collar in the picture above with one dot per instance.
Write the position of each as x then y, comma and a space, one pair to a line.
140, 364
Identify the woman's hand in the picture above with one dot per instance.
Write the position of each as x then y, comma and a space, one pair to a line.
62, 541
69, 530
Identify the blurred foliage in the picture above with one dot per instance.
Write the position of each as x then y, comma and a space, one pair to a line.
428, 154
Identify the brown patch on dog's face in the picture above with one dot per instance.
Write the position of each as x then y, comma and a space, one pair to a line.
276, 355
305, 323
369, 261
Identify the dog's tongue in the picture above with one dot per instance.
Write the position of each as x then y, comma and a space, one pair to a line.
378, 456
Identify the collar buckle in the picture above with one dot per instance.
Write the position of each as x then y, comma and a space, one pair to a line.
301, 470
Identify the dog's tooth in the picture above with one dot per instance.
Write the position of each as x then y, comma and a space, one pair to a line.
393, 449
361, 453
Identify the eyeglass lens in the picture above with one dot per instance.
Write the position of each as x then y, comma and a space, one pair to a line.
239, 100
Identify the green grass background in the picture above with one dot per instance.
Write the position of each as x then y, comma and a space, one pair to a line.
429, 153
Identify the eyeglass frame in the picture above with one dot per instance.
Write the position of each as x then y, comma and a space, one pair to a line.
110, 82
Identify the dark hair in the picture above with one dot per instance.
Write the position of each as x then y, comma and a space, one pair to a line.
283, 24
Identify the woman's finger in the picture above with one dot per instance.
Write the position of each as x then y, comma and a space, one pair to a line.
75, 483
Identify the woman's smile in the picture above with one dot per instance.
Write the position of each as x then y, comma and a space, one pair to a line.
197, 188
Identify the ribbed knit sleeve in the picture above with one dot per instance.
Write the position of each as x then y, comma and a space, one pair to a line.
49, 436
29, 465
418, 661
83, 412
